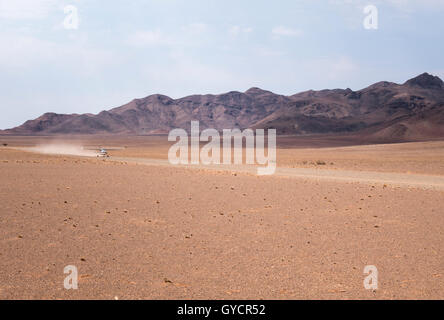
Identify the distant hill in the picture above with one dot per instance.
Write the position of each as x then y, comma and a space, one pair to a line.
386, 110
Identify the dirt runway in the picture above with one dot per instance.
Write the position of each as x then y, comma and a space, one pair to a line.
435, 182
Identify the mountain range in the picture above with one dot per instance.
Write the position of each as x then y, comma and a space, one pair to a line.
390, 111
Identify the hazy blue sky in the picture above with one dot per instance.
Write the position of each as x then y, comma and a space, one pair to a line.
130, 49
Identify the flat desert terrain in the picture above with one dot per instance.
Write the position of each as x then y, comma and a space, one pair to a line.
137, 227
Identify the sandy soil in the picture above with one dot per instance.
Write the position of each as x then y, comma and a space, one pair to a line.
160, 232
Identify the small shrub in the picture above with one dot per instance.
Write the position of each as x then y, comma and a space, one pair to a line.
320, 163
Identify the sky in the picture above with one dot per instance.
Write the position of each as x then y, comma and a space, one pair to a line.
117, 51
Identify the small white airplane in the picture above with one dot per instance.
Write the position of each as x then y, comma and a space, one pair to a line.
103, 153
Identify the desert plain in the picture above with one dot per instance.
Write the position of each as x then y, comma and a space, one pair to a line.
137, 227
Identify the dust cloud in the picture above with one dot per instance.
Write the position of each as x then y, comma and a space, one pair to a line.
62, 149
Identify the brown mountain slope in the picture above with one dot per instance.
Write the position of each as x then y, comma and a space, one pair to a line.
385, 109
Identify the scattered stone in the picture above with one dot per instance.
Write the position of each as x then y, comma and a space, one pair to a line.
167, 281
